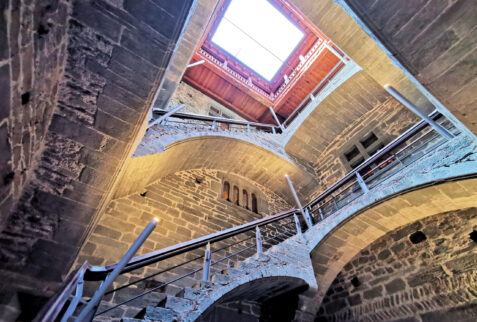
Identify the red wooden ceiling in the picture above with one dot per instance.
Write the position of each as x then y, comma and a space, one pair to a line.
222, 86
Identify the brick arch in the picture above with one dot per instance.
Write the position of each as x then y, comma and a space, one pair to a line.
339, 238
225, 154
256, 291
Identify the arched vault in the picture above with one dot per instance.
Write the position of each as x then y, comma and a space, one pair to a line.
224, 154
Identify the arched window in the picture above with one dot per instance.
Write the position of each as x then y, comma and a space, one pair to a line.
226, 192
254, 203
236, 196
245, 199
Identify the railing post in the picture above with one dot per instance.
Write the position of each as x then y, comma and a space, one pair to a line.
276, 119
361, 183
439, 128
165, 116
164, 121
321, 213
214, 125
308, 217
297, 223
258, 236
248, 127
91, 307
335, 203
74, 302
273, 130
207, 260
300, 207
398, 159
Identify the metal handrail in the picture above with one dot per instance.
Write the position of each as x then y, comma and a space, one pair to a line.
99, 272
352, 174
53, 307
95, 273
198, 117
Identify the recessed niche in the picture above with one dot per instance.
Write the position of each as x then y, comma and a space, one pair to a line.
417, 237
353, 152
473, 236
368, 140
25, 98
355, 282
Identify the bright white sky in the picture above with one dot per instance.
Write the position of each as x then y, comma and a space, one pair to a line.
258, 35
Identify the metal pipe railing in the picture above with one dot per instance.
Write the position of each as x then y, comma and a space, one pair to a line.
165, 115
53, 307
207, 118
99, 272
352, 174
340, 193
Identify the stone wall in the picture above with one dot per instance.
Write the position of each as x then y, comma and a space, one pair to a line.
394, 278
116, 56
435, 40
387, 121
189, 204
353, 110
196, 102
32, 59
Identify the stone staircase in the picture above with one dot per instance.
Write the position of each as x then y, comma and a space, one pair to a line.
173, 303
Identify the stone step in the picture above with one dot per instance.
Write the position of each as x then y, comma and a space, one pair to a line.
221, 279
173, 290
193, 294
160, 314
234, 272
179, 305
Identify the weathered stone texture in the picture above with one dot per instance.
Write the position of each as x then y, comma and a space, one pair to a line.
186, 209
116, 56
196, 102
435, 40
32, 58
436, 277
356, 108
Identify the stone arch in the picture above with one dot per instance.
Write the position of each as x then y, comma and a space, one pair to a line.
248, 160
425, 264
337, 239
245, 198
236, 196
226, 191
254, 203
257, 291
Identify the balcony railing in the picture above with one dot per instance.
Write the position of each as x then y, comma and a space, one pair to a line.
214, 123
195, 261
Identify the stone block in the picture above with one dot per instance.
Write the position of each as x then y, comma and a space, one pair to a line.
160, 314
124, 59
4, 80
82, 134
112, 126
93, 17
158, 18
179, 305
395, 285
373, 293
155, 51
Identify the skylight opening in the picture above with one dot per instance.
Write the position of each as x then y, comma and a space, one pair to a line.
258, 35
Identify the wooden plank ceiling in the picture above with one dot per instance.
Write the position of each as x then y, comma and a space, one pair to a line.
235, 93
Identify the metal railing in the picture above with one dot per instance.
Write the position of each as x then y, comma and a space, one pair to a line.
187, 263
212, 122
409, 147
